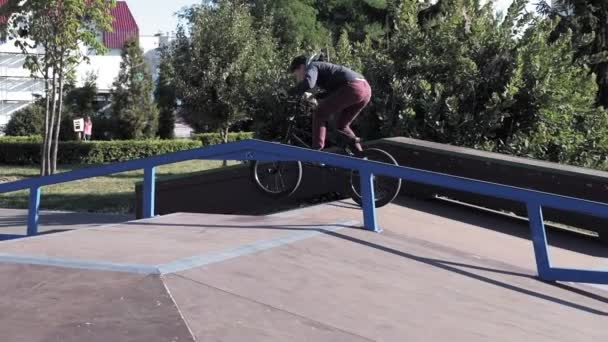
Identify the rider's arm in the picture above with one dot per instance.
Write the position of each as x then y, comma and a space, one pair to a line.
309, 82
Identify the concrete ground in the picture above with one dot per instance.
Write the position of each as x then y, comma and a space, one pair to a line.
436, 273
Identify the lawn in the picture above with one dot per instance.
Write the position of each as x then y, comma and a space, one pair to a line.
110, 194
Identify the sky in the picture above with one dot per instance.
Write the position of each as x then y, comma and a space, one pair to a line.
503, 5
153, 16
158, 15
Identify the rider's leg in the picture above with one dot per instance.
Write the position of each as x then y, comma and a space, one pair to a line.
363, 92
319, 130
336, 102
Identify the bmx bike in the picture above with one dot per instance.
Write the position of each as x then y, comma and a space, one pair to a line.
281, 179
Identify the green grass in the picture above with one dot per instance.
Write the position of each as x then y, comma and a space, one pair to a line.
110, 194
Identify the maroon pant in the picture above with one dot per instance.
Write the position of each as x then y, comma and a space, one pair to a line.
346, 102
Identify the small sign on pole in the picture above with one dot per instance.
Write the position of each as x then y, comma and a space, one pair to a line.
79, 125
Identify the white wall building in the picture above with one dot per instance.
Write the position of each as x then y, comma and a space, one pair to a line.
18, 88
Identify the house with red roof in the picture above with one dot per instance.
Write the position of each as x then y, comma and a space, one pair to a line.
18, 88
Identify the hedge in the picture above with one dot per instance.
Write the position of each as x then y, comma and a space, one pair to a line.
215, 138
26, 150
100, 152
21, 139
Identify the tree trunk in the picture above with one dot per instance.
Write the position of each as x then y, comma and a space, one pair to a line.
52, 123
58, 123
43, 159
225, 133
47, 96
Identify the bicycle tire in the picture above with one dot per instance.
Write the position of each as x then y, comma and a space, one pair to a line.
391, 186
286, 191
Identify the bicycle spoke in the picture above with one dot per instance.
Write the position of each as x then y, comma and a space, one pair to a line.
276, 183
281, 178
277, 178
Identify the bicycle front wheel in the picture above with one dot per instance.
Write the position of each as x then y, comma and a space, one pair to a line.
277, 179
386, 189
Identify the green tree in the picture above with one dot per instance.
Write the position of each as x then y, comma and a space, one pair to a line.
489, 84
165, 97
553, 102
588, 20
221, 68
373, 19
82, 100
345, 53
450, 71
60, 27
294, 22
450, 91
133, 108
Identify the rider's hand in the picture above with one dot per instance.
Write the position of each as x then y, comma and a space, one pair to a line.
282, 94
310, 99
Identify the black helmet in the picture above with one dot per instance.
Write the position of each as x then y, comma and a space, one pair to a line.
303, 60
297, 62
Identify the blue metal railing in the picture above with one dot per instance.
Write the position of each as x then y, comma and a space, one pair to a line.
267, 151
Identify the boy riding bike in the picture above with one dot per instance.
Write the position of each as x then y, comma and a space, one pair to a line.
348, 93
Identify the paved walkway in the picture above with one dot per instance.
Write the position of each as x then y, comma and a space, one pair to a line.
14, 221
437, 273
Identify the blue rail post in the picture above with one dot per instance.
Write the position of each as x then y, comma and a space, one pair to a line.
539, 240
33, 211
149, 191
368, 202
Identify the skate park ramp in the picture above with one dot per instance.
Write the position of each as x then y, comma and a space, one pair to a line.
434, 274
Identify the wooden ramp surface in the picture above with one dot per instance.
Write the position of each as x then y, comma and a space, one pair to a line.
437, 273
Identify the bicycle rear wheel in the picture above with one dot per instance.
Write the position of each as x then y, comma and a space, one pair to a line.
386, 189
276, 179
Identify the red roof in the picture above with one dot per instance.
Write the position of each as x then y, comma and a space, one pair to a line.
124, 26
3, 18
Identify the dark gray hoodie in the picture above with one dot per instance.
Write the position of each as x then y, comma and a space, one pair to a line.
326, 76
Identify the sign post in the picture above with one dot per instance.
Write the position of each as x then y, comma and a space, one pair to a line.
79, 127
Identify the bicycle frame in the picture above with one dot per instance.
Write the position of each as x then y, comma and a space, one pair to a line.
294, 135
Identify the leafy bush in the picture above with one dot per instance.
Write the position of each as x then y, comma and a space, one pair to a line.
20, 153
215, 138
17, 152
21, 139
26, 150
27, 121
561, 123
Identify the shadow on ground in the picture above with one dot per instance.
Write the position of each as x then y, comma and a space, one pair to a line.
112, 203
505, 224
491, 272
13, 222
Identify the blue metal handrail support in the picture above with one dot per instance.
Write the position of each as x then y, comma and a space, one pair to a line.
268, 151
